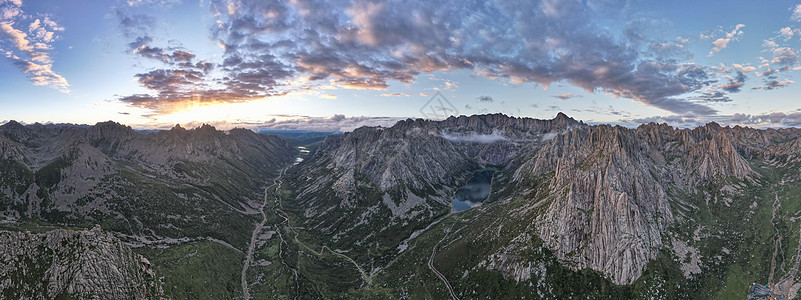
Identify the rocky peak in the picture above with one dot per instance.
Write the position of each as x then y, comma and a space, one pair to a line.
109, 130
562, 118
177, 129
16, 131
206, 128
11, 124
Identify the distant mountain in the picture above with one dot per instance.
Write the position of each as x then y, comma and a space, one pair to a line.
304, 136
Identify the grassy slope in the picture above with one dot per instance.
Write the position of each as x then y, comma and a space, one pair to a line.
204, 270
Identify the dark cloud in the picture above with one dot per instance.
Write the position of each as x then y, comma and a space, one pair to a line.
769, 73
774, 84
715, 96
132, 24
566, 96
141, 46
487, 99
274, 47
607, 110
735, 84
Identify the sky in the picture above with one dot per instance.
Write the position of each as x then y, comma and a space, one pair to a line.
337, 65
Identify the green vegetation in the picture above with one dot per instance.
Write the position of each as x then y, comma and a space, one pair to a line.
203, 270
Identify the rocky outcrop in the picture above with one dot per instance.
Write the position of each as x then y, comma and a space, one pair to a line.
87, 264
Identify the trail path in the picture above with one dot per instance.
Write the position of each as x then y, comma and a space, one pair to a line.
433, 269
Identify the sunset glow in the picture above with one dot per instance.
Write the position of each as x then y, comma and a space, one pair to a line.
153, 63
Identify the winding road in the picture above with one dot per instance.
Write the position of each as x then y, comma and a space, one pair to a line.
433, 269
367, 278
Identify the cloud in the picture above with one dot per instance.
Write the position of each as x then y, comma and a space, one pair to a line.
674, 120
599, 110
337, 122
395, 95
486, 99
43, 75
156, 3
31, 50
774, 84
796, 16
185, 80
786, 33
734, 85
17, 37
566, 96
273, 48
175, 55
718, 96
770, 43
769, 73
742, 68
474, 137
133, 25
9, 12
784, 56
723, 42
770, 119
328, 96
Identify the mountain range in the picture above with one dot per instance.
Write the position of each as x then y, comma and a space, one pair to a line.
574, 210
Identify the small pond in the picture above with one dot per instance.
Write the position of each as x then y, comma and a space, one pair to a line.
474, 192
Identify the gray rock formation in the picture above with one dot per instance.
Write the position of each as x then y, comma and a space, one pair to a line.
89, 264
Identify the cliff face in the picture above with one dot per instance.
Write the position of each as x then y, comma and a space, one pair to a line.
609, 203
606, 210
86, 264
